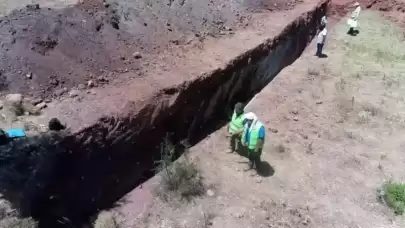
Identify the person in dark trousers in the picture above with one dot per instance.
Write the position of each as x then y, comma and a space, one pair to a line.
253, 138
235, 127
320, 41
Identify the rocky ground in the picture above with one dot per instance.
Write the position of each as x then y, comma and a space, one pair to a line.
334, 136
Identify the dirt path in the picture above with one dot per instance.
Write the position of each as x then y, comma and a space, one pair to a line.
335, 135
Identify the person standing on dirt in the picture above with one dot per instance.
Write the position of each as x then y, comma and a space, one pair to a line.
253, 138
323, 21
352, 21
235, 127
320, 41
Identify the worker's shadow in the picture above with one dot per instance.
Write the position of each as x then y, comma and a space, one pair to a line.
355, 32
264, 170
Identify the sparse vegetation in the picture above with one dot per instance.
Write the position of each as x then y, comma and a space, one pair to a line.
9, 218
181, 179
393, 194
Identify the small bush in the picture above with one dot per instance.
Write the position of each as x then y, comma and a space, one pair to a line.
18, 223
9, 219
394, 195
179, 179
183, 179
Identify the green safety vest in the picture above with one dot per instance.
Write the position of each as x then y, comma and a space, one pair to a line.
254, 135
236, 123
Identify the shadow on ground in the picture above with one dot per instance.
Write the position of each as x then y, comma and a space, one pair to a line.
265, 169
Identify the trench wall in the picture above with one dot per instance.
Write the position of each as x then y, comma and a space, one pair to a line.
92, 169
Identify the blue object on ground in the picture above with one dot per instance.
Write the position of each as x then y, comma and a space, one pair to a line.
15, 133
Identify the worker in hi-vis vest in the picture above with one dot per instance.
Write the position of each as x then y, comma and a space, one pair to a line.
235, 128
253, 138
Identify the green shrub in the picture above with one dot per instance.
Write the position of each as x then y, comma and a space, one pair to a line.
394, 196
179, 179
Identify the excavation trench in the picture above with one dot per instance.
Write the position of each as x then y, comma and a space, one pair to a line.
92, 169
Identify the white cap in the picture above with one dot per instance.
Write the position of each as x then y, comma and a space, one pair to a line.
356, 4
250, 116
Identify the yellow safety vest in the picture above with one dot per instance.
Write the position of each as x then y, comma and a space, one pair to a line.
236, 123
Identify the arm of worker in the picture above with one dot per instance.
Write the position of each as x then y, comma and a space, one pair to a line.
260, 141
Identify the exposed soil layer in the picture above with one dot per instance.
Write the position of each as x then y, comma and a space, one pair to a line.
96, 40
91, 169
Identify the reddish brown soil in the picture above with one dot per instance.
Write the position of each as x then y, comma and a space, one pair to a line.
95, 40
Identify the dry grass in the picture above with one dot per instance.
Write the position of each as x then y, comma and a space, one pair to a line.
10, 219
179, 180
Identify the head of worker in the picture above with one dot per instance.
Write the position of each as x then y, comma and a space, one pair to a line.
356, 4
324, 21
238, 109
249, 118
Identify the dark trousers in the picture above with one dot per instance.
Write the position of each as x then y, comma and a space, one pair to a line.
319, 48
254, 158
234, 142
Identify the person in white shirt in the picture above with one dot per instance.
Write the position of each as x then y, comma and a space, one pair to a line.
320, 41
352, 21
323, 21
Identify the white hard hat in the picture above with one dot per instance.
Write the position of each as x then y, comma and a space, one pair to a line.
356, 4
250, 116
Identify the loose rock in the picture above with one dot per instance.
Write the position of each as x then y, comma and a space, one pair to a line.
74, 93
14, 104
90, 84
55, 125
137, 55
294, 111
29, 75
14, 98
210, 193
60, 92
81, 86
36, 101
41, 105
273, 130
295, 119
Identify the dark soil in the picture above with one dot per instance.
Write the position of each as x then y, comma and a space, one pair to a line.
96, 40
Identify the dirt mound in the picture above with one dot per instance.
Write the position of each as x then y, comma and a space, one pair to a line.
45, 52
